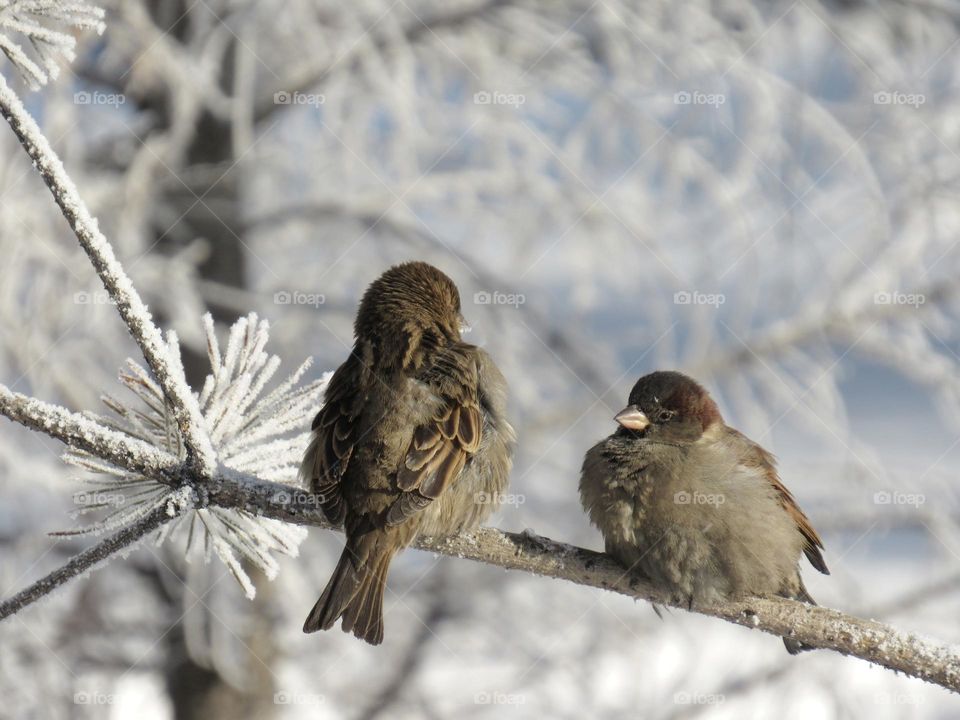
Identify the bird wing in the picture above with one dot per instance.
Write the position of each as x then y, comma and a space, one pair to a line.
767, 463
442, 446
334, 434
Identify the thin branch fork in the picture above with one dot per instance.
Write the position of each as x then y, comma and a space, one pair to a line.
89, 559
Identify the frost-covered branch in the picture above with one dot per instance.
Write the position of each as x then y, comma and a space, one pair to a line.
819, 627
816, 626
37, 21
167, 369
86, 434
90, 558
257, 500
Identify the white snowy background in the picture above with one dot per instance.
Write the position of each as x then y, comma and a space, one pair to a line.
762, 194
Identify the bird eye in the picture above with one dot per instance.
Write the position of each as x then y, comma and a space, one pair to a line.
664, 415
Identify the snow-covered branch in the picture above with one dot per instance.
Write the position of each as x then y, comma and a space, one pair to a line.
88, 435
166, 368
816, 626
92, 557
39, 22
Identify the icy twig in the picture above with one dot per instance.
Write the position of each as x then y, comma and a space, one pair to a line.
83, 433
87, 560
45, 25
131, 308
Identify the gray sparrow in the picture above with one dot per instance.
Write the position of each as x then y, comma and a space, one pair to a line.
694, 505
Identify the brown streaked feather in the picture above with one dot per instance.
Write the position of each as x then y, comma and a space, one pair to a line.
812, 544
468, 431
446, 472
440, 448
426, 436
340, 440
450, 424
411, 474
334, 433
418, 459
406, 506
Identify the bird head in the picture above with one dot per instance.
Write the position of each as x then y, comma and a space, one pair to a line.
408, 311
668, 406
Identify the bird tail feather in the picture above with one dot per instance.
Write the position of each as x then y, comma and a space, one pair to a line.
355, 592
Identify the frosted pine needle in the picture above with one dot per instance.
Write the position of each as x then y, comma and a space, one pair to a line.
251, 432
40, 24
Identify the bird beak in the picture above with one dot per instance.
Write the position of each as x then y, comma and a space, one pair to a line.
632, 418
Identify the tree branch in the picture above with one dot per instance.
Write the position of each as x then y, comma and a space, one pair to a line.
82, 433
88, 559
134, 313
815, 626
